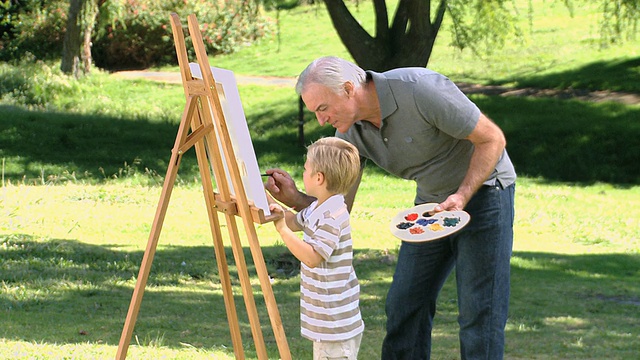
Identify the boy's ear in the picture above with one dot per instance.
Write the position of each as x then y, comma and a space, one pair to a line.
319, 178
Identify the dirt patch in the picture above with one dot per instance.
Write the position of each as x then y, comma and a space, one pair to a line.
584, 95
467, 88
175, 78
620, 299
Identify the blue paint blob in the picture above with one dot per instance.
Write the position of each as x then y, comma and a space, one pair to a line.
425, 222
404, 225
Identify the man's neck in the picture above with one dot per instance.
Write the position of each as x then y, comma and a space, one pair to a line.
369, 105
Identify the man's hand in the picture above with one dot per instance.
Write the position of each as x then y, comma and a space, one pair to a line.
282, 187
454, 202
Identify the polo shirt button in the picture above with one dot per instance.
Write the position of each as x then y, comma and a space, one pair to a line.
386, 140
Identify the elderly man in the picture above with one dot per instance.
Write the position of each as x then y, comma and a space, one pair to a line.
416, 124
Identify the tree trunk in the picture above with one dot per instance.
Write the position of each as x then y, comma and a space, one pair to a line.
408, 42
86, 50
71, 45
90, 13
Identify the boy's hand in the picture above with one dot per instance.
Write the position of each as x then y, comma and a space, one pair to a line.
274, 206
280, 222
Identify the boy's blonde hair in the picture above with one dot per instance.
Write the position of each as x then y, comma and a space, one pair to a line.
338, 160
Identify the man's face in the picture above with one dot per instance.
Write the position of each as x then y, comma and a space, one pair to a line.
330, 107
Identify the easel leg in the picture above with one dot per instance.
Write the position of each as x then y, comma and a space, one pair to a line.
247, 291
221, 258
236, 245
256, 253
161, 211
211, 107
267, 290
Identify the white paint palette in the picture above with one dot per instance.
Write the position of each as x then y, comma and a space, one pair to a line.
416, 225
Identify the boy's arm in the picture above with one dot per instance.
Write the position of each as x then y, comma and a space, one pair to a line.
300, 249
289, 217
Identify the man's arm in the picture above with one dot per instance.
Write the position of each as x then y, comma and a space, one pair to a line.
282, 187
350, 197
489, 143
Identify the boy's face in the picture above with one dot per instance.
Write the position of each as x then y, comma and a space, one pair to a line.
310, 179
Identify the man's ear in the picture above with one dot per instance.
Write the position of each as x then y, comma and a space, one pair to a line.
348, 88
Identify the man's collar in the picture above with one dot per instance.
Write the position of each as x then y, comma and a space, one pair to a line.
386, 99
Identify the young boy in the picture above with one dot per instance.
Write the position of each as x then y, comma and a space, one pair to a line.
329, 289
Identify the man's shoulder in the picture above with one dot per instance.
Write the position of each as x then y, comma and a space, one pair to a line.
406, 81
409, 73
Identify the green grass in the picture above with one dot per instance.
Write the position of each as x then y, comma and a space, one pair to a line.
71, 254
80, 186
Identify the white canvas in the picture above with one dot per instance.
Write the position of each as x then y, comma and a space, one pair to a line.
239, 134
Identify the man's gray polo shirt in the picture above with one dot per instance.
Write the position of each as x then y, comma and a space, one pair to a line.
425, 118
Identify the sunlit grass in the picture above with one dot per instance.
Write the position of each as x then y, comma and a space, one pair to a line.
71, 255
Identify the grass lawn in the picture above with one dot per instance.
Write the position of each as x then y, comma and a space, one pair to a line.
71, 255
81, 176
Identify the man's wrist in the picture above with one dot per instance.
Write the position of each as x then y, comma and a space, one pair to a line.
301, 202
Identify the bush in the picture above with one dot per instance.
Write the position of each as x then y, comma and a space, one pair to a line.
36, 30
33, 83
135, 33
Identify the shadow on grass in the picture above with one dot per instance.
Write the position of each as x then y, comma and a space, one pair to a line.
578, 279
43, 145
555, 140
64, 291
569, 141
581, 306
616, 75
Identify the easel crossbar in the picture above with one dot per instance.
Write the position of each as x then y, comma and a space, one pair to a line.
194, 137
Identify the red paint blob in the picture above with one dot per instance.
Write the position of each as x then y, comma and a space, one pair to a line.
411, 217
416, 230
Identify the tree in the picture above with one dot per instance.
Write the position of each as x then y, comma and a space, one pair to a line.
77, 38
71, 46
408, 40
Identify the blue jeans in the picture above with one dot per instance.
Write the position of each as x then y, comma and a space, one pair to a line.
481, 254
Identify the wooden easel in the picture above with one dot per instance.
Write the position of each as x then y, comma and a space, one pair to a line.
208, 135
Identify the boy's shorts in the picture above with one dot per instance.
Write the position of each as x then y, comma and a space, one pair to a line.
337, 350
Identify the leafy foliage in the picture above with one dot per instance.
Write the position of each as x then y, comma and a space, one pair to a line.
134, 33
619, 20
406, 36
34, 29
483, 25
137, 34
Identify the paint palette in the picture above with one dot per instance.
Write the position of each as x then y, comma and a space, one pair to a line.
415, 224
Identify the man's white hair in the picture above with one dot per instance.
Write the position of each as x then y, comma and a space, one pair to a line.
332, 72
